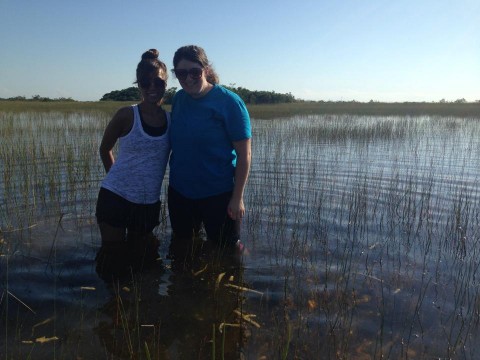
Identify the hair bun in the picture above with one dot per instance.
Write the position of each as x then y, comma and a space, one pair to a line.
151, 54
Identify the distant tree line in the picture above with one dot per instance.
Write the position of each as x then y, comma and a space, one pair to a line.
261, 97
248, 96
129, 94
458, 101
442, 101
37, 98
133, 94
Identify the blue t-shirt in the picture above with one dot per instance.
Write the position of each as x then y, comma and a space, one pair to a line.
202, 162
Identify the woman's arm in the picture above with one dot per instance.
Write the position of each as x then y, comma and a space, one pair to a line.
236, 207
120, 125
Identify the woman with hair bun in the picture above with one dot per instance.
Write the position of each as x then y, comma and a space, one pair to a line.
128, 204
211, 154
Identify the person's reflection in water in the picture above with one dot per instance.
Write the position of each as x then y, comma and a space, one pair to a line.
143, 255
205, 299
188, 312
130, 321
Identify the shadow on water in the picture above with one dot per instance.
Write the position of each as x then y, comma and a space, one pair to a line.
54, 304
189, 311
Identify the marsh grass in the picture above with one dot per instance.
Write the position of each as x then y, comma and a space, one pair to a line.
68, 107
363, 235
49, 165
372, 216
271, 111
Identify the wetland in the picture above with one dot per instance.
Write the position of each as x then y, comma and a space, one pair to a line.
362, 237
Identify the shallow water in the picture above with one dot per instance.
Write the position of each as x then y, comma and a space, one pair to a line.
362, 237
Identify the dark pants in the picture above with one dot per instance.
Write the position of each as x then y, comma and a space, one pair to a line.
127, 238
121, 213
187, 216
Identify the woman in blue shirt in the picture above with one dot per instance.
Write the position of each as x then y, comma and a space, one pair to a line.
210, 138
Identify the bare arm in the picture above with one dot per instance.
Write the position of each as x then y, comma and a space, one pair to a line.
236, 207
119, 125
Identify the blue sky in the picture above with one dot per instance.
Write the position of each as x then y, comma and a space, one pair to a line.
406, 50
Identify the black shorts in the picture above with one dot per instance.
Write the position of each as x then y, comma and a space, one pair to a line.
186, 215
118, 212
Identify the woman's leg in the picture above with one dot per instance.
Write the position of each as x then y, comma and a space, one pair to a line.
143, 249
142, 243
111, 234
184, 221
112, 258
221, 230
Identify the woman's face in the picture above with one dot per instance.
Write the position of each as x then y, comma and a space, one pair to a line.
192, 78
153, 87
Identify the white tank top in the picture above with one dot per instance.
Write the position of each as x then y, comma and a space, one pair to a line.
140, 165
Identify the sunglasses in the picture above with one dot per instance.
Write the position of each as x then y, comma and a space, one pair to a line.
181, 74
146, 83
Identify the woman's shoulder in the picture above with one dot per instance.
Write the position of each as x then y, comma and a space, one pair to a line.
226, 93
123, 118
125, 112
179, 93
229, 97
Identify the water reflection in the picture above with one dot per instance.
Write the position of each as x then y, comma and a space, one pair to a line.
190, 311
364, 238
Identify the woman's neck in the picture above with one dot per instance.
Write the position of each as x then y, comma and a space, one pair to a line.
150, 108
204, 91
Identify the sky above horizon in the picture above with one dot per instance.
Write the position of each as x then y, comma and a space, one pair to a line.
377, 50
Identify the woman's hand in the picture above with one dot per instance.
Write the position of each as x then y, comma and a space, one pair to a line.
236, 209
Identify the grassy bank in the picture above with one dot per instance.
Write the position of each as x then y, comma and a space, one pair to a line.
357, 108
271, 111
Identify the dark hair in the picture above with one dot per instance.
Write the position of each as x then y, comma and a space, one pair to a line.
151, 64
196, 54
